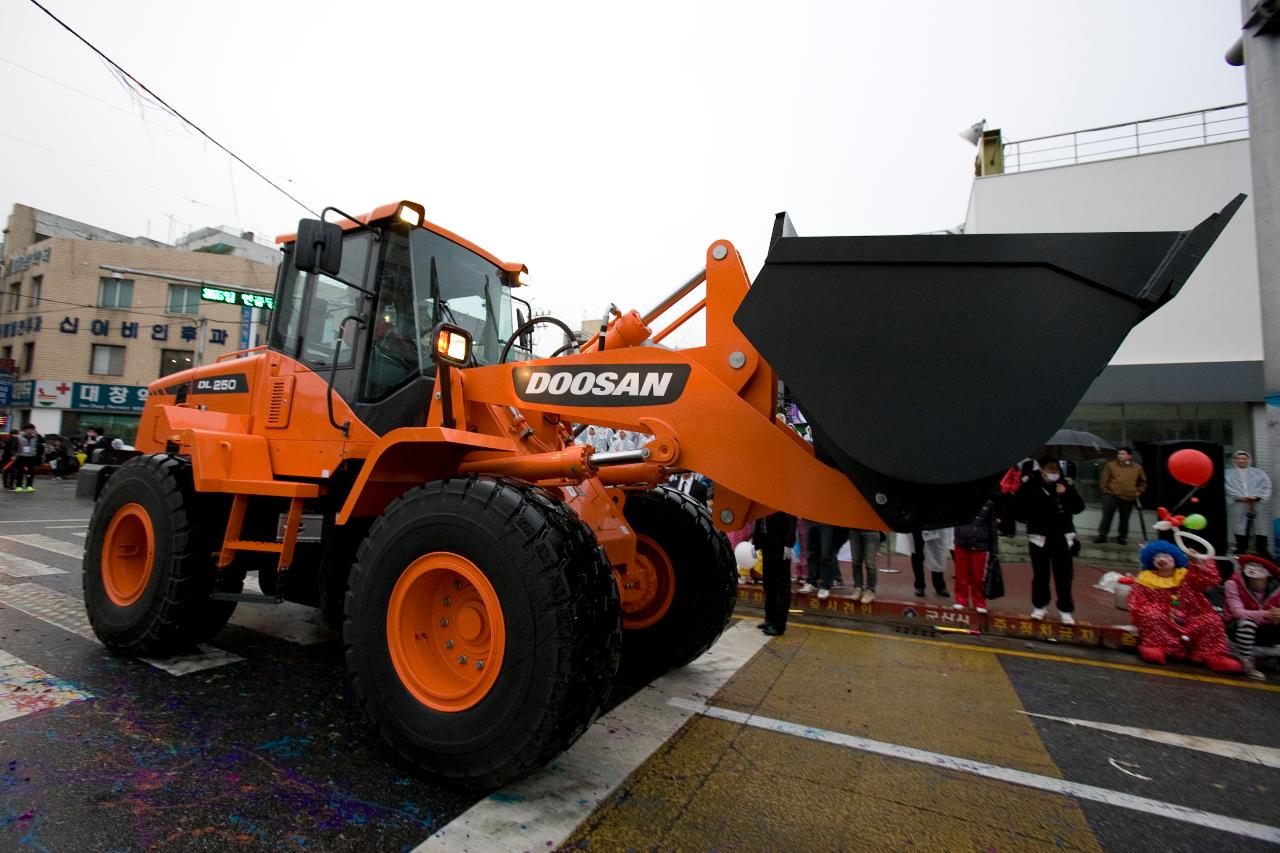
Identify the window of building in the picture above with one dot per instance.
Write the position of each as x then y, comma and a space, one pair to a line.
107, 360
174, 360
28, 356
115, 292
184, 299
6, 352
37, 284
15, 295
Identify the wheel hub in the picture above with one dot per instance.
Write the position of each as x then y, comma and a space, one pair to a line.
445, 631
128, 550
647, 587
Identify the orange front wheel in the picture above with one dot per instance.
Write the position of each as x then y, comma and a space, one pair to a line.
482, 628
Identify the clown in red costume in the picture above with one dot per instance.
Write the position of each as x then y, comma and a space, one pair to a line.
1174, 619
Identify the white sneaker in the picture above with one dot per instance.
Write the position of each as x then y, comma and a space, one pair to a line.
868, 596
1066, 619
1038, 613
957, 606
824, 593
808, 589
856, 594
981, 609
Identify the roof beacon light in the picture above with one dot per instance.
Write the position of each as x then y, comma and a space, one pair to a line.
453, 345
410, 214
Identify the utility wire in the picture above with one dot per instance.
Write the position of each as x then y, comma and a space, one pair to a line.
165, 104
120, 109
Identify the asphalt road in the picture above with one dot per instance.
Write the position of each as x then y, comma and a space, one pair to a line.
823, 739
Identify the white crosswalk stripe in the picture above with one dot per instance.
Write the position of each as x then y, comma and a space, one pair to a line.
67, 612
20, 567
48, 543
25, 689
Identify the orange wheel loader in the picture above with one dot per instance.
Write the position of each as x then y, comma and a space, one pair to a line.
396, 457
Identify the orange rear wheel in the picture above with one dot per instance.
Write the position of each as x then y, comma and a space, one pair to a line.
445, 631
128, 551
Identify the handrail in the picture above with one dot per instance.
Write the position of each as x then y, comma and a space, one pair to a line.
1136, 137
240, 353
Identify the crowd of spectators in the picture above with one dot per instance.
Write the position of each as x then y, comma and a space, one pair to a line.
26, 453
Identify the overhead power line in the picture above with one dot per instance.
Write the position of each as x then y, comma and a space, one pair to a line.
135, 81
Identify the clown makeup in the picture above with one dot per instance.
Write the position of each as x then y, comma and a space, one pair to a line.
1164, 565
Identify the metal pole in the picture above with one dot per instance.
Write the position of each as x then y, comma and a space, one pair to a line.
1262, 74
676, 296
200, 330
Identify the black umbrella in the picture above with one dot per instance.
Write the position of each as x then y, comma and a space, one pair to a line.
1077, 446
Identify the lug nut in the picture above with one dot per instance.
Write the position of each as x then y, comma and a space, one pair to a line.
448, 644
457, 584
479, 664
447, 601
444, 623
462, 658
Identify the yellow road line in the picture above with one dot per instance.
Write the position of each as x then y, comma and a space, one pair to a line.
1145, 670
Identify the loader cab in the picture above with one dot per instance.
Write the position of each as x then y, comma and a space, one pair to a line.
391, 286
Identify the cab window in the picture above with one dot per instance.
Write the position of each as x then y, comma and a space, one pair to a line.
310, 308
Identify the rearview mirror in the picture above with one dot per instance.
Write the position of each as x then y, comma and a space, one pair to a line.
319, 247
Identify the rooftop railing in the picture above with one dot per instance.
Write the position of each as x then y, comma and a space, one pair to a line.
1164, 133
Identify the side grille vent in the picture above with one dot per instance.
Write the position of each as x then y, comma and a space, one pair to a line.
279, 401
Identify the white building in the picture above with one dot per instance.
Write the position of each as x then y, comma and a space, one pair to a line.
1194, 368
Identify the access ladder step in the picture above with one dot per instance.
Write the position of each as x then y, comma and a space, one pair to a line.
245, 597
250, 545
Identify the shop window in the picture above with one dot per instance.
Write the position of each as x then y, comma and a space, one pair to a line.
175, 360
28, 357
107, 360
37, 284
115, 292
15, 295
184, 299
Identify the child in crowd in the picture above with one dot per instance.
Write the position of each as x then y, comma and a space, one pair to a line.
973, 542
1253, 606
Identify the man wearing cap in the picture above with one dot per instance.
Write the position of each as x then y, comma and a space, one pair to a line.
1247, 487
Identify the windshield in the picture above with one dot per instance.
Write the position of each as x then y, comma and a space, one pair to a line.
470, 291
416, 274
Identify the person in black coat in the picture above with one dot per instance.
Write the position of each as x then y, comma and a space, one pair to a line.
772, 536
1046, 504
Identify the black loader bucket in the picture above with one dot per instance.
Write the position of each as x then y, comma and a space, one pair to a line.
927, 365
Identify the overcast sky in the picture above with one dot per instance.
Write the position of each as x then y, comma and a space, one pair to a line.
604, 145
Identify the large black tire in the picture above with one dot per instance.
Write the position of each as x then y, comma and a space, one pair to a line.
167, 608
705, 580
558, 604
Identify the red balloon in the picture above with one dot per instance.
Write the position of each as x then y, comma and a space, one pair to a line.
1192, 467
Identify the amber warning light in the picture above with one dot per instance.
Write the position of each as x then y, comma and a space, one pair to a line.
238, 297
453, 345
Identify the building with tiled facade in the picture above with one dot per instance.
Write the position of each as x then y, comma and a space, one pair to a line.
80, 343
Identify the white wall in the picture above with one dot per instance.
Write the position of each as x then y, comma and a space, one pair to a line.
1217, 314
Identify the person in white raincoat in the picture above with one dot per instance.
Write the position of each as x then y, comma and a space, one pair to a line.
1247, 489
